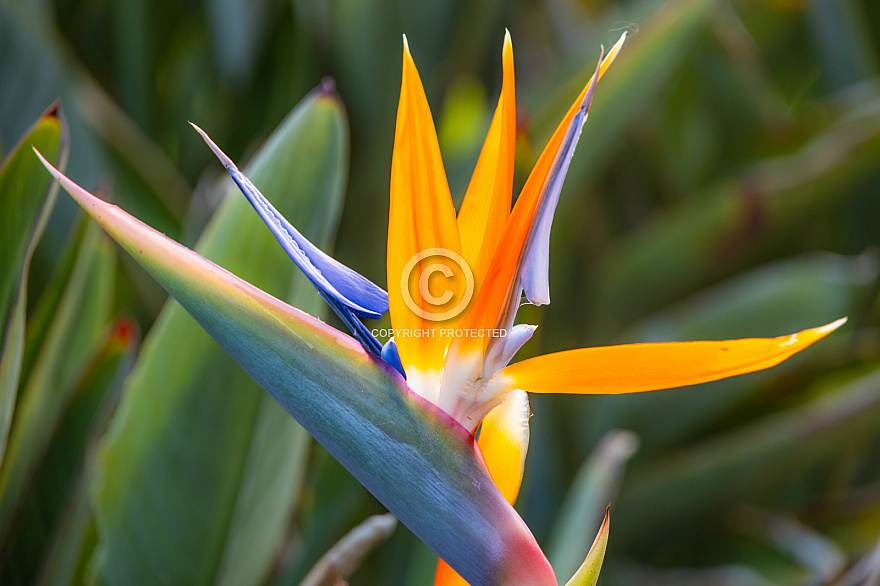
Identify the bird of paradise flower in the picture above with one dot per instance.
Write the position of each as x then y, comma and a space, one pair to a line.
434, 424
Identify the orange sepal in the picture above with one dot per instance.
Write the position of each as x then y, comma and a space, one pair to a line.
635, 368
421, 217
486, 205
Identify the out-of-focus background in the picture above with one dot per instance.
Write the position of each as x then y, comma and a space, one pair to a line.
727, 184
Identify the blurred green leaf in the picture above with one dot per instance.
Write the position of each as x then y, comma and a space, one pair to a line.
820, 557
41, 65
26, 199
133, 31
593, 488
194, 431
461, 128
841, 33
727, 575
718, 232
588, 573
42, 314
48, 537
755, 462
332, 501
145, 180
82, 317
641, 71
67, 560
237, 30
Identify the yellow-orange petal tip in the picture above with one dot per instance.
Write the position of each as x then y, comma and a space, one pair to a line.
827, 329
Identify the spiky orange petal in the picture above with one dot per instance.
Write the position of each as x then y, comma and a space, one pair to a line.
421, 217
486, 205
634, 368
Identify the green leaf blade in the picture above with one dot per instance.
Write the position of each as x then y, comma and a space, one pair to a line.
26, 199
588, 573
189, 407
76, 329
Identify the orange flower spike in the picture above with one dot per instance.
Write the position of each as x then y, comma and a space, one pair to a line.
504, 442
486, 204
635, 368
421, 217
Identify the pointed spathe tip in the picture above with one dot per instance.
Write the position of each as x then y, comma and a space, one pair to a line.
49, 167
605, 61
80, 195
227, 162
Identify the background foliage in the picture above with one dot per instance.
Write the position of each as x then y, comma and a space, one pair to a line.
726, 186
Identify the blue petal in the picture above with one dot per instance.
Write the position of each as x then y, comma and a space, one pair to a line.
392, 357
354, 325
534, 273
336, 280
348, 293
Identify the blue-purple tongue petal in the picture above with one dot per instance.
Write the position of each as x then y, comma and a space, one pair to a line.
392, 357
535, 269
354, 325
534, 272
335, 280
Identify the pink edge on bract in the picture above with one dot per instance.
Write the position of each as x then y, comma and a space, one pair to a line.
120, 225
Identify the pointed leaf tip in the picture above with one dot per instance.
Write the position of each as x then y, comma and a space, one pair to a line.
588, 573
328, 87
53, 111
